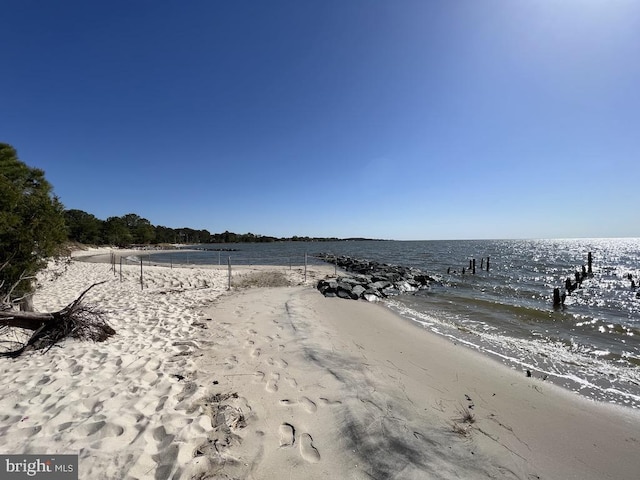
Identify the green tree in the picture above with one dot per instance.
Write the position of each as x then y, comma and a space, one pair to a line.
83, 227
31, 223
143, 232
140, 228
116, 232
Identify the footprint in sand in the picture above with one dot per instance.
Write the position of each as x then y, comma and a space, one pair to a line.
255, 353
100, 429
231, 362
161, 403
326, 402
307, 404
287, 435
291, 381
272, 384
44, 380
307, 450
64, 426
278, 362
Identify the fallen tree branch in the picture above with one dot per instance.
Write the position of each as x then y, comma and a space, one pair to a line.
76, 320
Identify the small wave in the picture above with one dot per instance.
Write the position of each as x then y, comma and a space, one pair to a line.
589, 371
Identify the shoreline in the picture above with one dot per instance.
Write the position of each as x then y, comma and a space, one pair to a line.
383, 398
285, 383
606, 382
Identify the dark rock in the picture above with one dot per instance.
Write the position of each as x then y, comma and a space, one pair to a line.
371, 280
344, 294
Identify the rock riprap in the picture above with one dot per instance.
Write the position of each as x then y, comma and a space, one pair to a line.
370, 280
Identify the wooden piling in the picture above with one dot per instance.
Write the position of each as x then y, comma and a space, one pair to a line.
556, 297
487, 264
568, 286
589, 263
473, 268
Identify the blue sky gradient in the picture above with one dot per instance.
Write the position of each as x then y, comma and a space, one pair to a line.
404, 120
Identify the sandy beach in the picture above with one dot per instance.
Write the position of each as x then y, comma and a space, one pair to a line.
266, 383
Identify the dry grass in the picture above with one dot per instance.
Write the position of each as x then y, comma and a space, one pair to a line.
466, 416
269, 278
462, 424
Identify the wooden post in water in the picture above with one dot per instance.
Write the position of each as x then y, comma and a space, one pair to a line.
488, 264
473, 268
482, 263
589, 262
556, 297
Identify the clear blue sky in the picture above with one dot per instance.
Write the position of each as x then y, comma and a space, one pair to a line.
389, 119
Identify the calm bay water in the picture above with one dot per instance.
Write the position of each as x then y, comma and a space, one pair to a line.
592, 345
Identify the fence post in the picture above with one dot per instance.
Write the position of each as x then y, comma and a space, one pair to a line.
141, 282
229, 262
120, 269
305, 267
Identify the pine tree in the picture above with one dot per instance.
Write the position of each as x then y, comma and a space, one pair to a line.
31, 223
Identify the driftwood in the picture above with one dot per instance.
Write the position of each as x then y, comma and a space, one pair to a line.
76, 320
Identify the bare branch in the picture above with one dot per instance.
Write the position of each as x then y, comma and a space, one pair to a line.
76, 320
7, 298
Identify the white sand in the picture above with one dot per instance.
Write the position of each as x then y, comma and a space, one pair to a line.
283, 383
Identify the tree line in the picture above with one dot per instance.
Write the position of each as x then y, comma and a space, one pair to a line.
131, 229
34, 225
